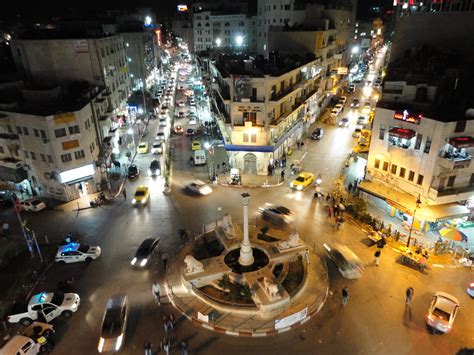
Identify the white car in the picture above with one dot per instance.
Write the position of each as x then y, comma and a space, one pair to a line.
180, 103
277, 214
357, 132
163, 121
157, 147
336, 109
192, 120
442, 312
75, 252
198, 187
33, 205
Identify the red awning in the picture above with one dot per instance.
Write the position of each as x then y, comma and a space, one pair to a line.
402, 133
462, 142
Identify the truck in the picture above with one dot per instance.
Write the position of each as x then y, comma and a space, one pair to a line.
36, 339
199, 157
46, 306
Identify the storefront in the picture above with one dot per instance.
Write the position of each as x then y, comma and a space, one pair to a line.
81, 181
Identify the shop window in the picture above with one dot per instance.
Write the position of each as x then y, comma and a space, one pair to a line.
287, 7
79, 154
393, 169
427, 145
419, 138
420, 179
460, 127
411, 175
66, 158
33, 155
61, 132
250, 117
402, 172
36, 132
25, 131
451, 180
43, 134
382, 132
377, 164
74, 130
385, 166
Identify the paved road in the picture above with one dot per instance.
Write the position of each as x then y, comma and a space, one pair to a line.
374, 321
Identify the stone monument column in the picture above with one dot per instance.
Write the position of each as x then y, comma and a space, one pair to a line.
246, 256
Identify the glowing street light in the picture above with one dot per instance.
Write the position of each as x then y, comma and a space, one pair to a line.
355, 50
239, 40
218, 42
147, 21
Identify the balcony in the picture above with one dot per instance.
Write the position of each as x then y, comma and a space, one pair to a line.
9, 137
282, 93
455, 190
455, 163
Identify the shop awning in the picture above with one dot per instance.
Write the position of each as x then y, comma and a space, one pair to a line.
407, 203
462, 142
402, 132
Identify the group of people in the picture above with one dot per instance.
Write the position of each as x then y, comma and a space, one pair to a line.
408, 296
335, 205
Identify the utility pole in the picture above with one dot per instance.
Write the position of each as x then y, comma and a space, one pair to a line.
418, 203
22, 225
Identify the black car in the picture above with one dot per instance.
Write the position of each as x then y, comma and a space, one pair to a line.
317, 134
7, 198
144, 252
154, 168
133, 172
190, 132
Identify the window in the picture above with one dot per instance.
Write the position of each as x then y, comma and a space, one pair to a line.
33, 155
25, 131
460, 126
420, 179
79, 154
382, 132
27, 155
250, 117
43, 157
50, 159
86, 124
411, 175
250, 138
377, 164
385, 166
18, 130
451, 180
427, 145
61, 132
66, 158
419, 138
402, 172
2, 151
287, 7
36, 132
393, 169
43, 134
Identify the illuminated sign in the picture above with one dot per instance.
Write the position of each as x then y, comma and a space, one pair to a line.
408, 117
158, 36
182, 8
77, 173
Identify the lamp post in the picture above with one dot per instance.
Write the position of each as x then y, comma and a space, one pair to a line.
418, 203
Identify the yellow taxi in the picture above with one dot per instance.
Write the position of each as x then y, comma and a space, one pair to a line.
303, 180
196, 145
142, 148
142, 195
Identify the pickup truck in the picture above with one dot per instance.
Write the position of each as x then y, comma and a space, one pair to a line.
36, 339
45, 306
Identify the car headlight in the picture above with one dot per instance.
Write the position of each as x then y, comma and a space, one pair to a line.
149, 172
118, 344
291, 184
299, 187
143, 262
143, 201
100, 347
134, 261
134, 201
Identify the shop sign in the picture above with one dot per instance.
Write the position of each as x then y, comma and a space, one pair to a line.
408, 116
292, 319
77, 173
249, 109
399, 207
81, 46
461, 164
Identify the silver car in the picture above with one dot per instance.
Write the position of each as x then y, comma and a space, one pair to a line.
114, 324
277, 214
442, 312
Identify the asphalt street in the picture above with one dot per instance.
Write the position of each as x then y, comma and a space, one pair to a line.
375, 320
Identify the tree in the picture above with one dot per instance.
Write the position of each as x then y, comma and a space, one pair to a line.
224, 282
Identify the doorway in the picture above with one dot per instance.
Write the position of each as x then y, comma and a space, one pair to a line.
83, 188
250, 163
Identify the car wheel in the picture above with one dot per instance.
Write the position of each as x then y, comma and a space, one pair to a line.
67, 314
61, 262
88, 259
26, 321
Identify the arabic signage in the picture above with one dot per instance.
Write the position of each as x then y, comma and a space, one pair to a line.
292, 319
183, 8
408, 116
249, 108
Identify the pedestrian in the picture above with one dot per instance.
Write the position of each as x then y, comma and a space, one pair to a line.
165, 324
165, 345
282, 175
409, 294
164, 257
5, 229
345, 295
156, 289
124, 193
183, 346
148, 348
376, 257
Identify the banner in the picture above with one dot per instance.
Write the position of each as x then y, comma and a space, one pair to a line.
292, 319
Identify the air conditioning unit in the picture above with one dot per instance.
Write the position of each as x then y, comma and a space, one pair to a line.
244, 100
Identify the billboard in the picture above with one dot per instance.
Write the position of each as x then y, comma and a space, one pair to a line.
183, 8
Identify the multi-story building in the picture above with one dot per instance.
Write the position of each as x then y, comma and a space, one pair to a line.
264, 106
368, 34
408, 7
100, 61
423, 140
140, 57
48, 140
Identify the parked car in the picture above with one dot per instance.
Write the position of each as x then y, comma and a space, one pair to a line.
342, 100
145, 252
142, 148
350, 88
336, 109
47, 305
470, 289
317, 134
133, 172
343, 122
277, 214
361, 120
355, 103
357, 131
157, 147
196, 145
190, 132
442, 312
36, 339
33, 205
76, 252
346, 261
114, 324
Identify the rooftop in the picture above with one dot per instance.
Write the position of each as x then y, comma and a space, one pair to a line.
46, 101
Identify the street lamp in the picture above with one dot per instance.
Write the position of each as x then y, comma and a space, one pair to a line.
355, 50
418, 203
218, 42
239, 40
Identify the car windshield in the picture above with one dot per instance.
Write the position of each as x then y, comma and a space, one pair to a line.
83, 248
144, 249
142, 145
283, 210
58, 298
441, 314
140, 193
112, 325
154, 164
36, 202
300, 179
132, 169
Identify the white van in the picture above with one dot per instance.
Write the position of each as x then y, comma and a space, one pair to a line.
199, 157
21, 345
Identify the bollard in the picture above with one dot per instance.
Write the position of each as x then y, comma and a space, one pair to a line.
46, 239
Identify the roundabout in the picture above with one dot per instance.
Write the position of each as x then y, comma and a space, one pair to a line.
242, 280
